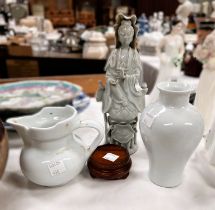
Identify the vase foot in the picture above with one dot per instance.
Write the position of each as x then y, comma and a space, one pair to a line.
165, 184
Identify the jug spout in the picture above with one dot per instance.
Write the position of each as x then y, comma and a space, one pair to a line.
21, 129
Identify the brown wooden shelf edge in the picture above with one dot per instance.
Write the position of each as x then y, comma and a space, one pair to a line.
89, 82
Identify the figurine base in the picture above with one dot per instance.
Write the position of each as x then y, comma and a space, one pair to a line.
122, 133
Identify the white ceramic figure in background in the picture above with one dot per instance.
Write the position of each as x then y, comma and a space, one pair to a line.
213, 12
155, 23
151, 39
161, 16
123, 97
184, 10
52, 154
32, 21
196, 8
205, 95
148, 42
171, 129
171, 51
210, 144
95, 46
205, 7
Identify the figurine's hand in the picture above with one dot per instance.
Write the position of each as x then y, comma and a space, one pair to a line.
112, 81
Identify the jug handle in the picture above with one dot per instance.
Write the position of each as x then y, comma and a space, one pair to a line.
90, 124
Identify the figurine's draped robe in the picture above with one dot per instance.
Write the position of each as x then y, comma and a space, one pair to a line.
205, 93
125, 99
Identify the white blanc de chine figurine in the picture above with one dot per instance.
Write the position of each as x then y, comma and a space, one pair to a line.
170, 51
205, 8
205, 95
213, 12
210, 144
122, 97
184, 10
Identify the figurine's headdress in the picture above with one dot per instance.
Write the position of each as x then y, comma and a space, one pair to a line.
120, 17
126, 29
125, 23
122, 20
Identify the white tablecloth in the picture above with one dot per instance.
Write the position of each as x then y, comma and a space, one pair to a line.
197, 192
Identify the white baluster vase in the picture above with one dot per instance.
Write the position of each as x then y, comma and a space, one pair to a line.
171, 129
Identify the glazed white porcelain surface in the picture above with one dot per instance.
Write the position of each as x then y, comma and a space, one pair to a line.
171, 129
52, 154
205, 94
210, 145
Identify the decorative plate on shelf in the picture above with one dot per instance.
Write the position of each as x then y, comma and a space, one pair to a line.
30, 96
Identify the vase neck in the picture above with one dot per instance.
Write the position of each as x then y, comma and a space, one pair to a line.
174, 94
174, 99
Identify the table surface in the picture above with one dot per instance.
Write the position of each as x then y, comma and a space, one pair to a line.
197, 192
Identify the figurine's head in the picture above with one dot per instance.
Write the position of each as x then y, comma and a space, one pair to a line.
177, 26
126, 31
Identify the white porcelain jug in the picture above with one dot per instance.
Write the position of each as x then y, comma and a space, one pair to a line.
52, 154
171, 129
